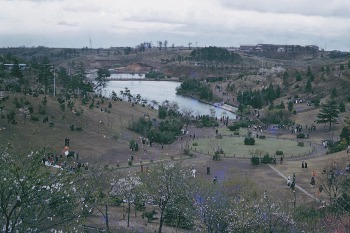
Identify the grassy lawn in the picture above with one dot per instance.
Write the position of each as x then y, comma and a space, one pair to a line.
234, 146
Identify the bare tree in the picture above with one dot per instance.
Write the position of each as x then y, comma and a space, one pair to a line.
332, 180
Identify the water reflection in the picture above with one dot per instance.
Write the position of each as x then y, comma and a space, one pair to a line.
161, 91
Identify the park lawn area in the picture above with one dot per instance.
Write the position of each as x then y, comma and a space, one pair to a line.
234, 147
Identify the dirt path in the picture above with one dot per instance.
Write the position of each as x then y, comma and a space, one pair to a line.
297, 186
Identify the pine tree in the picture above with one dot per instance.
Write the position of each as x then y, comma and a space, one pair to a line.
329, 113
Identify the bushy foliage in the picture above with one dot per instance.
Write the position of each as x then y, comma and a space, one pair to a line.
300, 135
255, 160
233, 127
195, 87
268, 159
162, 132
155, 75
214, 54
206, 121
133, 145
217, 156
249, 141
279, 152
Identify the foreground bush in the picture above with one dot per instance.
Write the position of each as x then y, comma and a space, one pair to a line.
249, 141
255, 160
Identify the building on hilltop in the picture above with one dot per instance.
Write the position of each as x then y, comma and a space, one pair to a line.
274, 48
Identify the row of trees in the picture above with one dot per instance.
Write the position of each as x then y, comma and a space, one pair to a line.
34, 198
215, 54
195, 87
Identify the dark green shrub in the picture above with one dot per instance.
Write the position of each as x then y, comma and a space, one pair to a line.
300, 135
249, 141
255, 160
31, 109
267, 159
233, 127
149, 215
236, 133
34, 118
72, 127
195, 144
133, 145
262, 137
300, 143
78, 129
216, 156
51, 124
279, 152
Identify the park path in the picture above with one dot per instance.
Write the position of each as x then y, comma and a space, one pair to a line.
297, 186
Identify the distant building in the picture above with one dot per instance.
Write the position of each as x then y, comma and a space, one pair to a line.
274, 48
247, 48
21, 66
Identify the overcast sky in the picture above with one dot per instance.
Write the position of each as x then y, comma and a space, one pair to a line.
71, 23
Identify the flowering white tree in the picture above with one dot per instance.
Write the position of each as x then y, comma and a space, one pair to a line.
212, 205
126, 188
163, 184
34, 198
97, 194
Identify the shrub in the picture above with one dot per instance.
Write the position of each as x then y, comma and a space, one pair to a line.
149, 215
255, 160
262, 137
31, 109
130, 162
268, 159
195, 144
300, 135
216, 156
78, 129
34, 118
300, 143
133, 145
233, 127
279, 152
249, 141
72, 128
51, 124
236, 133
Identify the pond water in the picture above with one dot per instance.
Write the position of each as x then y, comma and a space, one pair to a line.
161, 91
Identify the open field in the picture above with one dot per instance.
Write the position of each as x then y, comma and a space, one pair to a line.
234, 147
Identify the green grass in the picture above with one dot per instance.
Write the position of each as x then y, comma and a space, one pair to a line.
234, 147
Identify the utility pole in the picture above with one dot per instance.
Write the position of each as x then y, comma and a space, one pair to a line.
54, 83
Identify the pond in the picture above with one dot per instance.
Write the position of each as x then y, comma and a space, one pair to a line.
161, 91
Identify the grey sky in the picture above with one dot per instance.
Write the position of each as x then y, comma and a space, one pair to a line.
71, 23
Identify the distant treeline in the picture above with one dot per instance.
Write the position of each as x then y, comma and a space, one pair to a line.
215, 54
